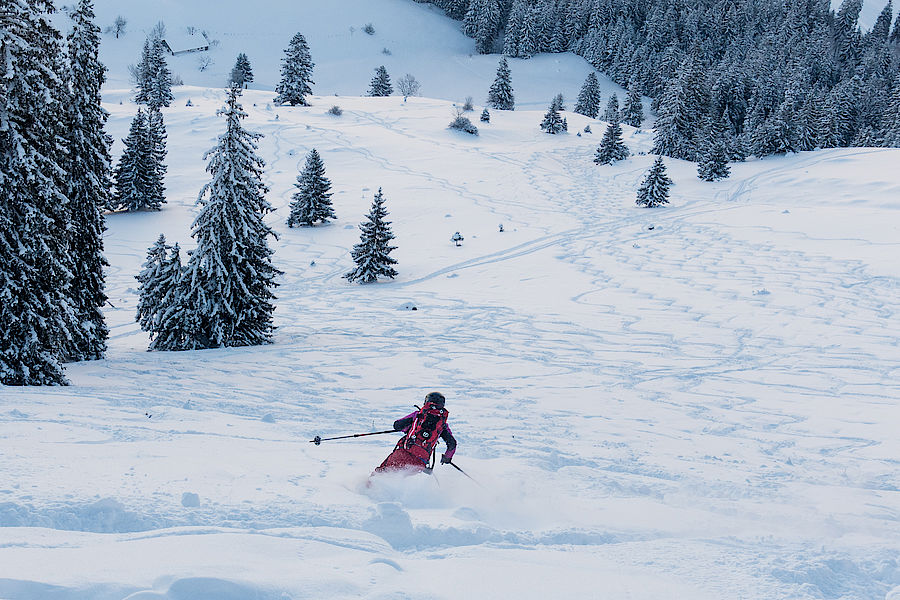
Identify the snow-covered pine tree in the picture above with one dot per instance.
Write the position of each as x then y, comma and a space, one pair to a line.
151, 290
133, 173
677, 121
881, 31
654, 190
381, 83
230, 275
712, 158
895, 32
612, 110
632, 108
553, 122
143, 74
485, 115
312, 200
36, 313
588, 103
88, 183
154, 80
558, 102
160, 93
139, 173
482, 22
612, 148
177, 326
372, 253
500, 95
242, 73
514, 27
296, 73
156, 147
891, 118
161, 308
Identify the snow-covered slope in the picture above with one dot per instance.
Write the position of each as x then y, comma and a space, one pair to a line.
698, 401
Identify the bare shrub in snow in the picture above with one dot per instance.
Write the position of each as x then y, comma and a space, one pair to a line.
408, 86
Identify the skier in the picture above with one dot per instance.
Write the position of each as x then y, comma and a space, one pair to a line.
422, 429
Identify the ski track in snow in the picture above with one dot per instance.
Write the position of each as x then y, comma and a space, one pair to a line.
686, 400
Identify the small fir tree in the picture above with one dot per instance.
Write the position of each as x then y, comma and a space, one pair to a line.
612, 110
242, 73
632, 108
500, 96
154, 80
612, 148
230, 277
558, 102
176, 323
381, 83
311, 202
485, 116
372, 253
139, 174
553, 122
588, 103
151, 289
296, 73
654, 190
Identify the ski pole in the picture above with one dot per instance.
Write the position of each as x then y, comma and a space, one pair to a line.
318, 440
452, 464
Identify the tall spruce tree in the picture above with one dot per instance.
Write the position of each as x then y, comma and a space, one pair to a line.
654, 189
88, 183
311, 202
242, 72
296, 73
156, 147
37, 316
500, 96
632, 108
372, 253
612, 148
230, 277
588, 103
381, 83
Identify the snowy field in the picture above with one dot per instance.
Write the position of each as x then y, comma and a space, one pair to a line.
698, 401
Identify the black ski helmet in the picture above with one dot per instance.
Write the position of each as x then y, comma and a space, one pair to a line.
436, 398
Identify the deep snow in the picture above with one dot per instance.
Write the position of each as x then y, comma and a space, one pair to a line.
698, 401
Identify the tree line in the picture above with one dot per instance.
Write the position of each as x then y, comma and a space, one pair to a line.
755, 77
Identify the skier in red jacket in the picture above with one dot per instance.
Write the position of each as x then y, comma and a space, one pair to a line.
422, 430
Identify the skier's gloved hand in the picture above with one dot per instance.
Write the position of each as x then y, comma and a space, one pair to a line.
444, 459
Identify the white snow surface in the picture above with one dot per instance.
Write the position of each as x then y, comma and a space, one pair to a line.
698, 401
